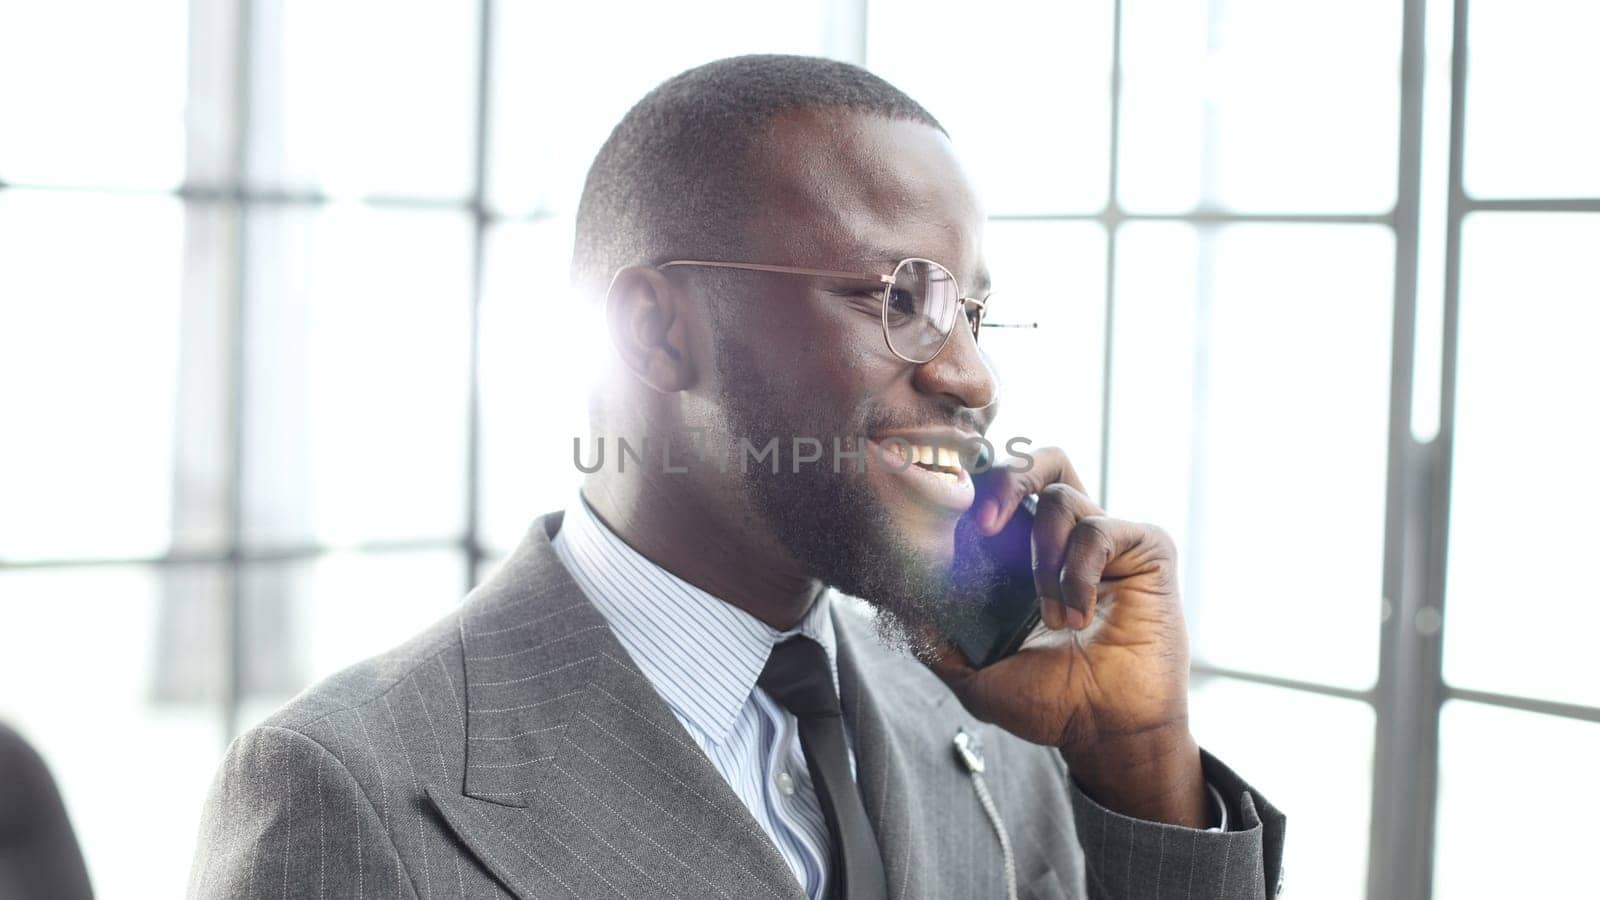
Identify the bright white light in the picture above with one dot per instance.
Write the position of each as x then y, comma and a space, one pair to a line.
363, 98
1532, 130
137, 833
355, 417
1554, 760
1052, 273
1526, 442
92, 92
1260, 105
540, 351
89, 316
545, 132
1024, 89
1266, 403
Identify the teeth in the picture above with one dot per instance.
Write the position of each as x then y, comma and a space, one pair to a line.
944, 461
941, 457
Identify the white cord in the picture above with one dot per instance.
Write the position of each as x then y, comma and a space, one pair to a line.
968, 752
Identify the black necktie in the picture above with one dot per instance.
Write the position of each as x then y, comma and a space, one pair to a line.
799, 679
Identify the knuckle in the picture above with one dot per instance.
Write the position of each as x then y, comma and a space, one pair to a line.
1162, 539
1094, 533
1066, 498
1076, 581
1055, 496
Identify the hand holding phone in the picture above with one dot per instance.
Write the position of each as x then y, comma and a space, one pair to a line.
1106, 681
1012, 609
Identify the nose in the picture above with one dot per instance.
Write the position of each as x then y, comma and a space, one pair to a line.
960, 372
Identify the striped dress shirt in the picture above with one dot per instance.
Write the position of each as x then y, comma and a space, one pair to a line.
703, 657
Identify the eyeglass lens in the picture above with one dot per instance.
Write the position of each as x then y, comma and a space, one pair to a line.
920, 309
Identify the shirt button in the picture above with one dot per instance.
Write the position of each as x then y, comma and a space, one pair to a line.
785, 784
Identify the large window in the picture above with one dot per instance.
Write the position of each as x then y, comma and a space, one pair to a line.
279, 282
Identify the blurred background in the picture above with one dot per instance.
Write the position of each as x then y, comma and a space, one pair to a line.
287, 364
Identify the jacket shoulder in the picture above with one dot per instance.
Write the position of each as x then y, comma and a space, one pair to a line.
429, 663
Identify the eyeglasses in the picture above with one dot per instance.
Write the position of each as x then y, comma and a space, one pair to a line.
920, 300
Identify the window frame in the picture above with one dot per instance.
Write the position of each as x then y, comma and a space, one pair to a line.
1410, 691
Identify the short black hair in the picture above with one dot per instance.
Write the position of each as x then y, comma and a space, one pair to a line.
674, 178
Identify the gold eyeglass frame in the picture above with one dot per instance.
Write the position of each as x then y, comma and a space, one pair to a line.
886, 280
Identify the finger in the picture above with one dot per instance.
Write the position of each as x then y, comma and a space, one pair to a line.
1060, 509
1002, 489
1094, 543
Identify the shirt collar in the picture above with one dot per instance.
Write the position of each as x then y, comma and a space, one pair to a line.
702, 655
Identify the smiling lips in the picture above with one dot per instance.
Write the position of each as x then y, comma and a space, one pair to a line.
931, 473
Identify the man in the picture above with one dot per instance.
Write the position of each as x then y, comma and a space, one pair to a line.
660, 693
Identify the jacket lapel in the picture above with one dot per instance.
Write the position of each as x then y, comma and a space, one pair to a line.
579, 779
915, 794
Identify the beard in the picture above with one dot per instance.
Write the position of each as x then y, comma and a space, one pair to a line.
837, 527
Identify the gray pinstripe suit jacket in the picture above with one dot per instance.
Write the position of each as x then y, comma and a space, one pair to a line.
514, 749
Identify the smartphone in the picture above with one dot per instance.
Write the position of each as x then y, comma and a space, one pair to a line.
1011, 610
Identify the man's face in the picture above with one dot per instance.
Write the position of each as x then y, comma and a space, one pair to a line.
806, 356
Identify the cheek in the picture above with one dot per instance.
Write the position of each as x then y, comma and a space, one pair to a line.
823, 363
847, 367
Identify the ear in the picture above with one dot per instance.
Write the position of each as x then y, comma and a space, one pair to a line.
647, 319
